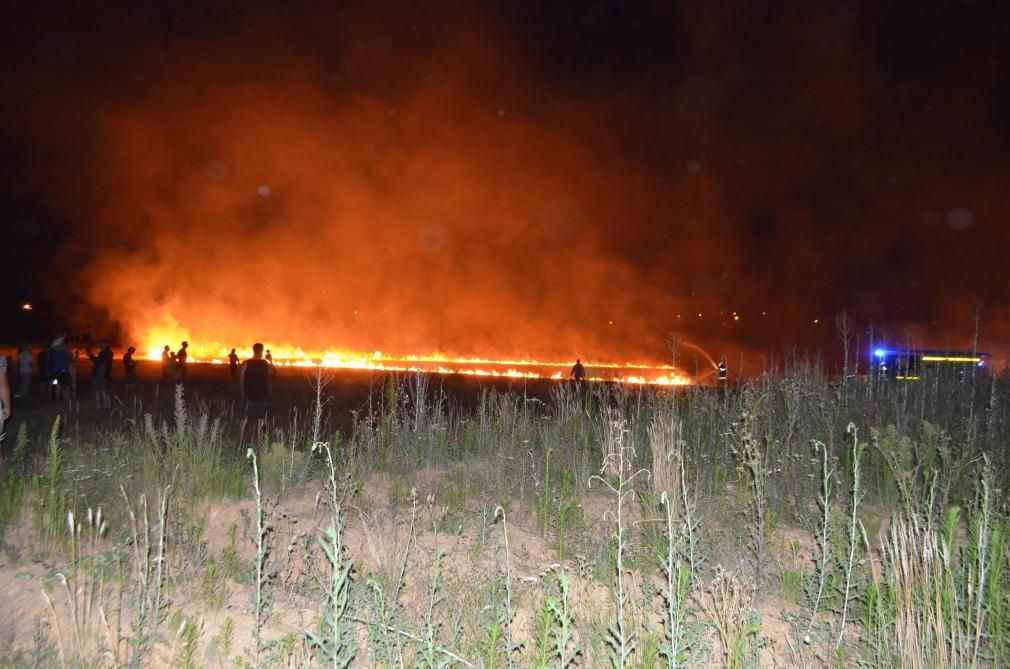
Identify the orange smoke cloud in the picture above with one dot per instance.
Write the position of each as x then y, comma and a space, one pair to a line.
436, 224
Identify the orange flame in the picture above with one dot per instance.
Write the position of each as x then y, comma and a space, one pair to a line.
287, 356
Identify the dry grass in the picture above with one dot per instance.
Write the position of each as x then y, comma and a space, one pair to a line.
666, 443
438, 585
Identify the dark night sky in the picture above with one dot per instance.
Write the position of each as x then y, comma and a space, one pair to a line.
525, 177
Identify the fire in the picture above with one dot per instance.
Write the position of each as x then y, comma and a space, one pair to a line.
628, 372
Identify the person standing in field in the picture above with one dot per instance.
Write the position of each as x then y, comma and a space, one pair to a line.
61, 367
24, 371
578, 375
101, 373
45, 375
254, 385
130, 367
180, 362
166, 359
270, 361
233, 363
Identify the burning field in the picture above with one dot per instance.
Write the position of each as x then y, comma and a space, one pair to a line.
631, 373
445, 226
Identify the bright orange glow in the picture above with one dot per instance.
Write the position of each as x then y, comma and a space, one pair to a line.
439, 236
287, 356
27, 306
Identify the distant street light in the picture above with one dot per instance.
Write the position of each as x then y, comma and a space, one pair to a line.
27, 306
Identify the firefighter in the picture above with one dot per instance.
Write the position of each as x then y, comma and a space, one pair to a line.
723, 372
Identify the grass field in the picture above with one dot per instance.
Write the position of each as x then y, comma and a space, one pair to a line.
426, 521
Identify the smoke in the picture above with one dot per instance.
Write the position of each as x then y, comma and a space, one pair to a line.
273, 206
549, 182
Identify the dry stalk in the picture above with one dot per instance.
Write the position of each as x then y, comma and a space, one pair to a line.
667, 445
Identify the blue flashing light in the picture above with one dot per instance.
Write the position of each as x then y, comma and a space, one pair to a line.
880, 353
981, 363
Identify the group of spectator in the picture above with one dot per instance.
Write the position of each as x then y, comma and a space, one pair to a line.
52, 368
55, 371
173, 363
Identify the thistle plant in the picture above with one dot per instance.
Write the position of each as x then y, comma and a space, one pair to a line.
823, 534
751, 464
333, 641
679, 580
511, 646
555, 635
855, 526
677, 591
619, 461
264, 572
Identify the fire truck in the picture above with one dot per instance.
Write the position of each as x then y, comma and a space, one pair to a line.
912, 364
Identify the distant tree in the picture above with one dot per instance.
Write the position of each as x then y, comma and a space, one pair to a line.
844, 328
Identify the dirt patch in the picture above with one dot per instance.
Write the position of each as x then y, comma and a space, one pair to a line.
402, 548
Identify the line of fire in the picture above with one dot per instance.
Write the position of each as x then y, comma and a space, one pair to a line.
628, 372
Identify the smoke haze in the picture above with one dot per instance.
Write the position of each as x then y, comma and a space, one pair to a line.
524, 182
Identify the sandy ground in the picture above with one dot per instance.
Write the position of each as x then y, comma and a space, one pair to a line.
376, 535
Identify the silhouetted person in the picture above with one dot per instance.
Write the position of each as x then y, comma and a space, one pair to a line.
24, 371
130, 367
45, 376
578, 372
61, 369
723, 372
101, 374
233, 362
167, 372
254, 384
170, 372
180, 362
